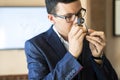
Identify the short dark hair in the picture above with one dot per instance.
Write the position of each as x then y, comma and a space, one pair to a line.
51, 5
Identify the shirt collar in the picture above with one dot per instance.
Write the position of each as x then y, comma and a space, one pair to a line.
65, 43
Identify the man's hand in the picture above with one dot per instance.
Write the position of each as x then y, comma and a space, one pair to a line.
97, 42
75, 38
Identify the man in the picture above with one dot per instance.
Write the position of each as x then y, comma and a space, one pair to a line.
68, 51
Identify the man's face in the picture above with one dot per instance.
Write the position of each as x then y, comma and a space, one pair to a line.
62, 26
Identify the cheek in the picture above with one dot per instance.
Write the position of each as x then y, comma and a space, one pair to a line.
64, 26
67, 27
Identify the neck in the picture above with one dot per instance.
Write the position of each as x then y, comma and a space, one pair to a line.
63, 35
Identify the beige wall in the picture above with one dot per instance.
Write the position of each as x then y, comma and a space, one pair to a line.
12, 62
22, 2
113, 43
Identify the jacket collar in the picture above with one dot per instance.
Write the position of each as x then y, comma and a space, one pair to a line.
55, 42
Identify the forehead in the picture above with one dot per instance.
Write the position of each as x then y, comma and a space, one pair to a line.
73, 7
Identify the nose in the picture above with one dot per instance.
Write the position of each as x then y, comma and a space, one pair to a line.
75, 21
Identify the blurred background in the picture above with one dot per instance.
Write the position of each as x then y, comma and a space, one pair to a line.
23, 19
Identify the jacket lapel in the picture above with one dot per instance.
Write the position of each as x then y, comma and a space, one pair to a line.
55, 43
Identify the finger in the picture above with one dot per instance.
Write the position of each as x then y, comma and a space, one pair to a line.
97, 39
74, 30
82, 36
85, 30
94, 45
98, 46
91, 40
99, 34
78, 34
95, 52
90, 31
93, 48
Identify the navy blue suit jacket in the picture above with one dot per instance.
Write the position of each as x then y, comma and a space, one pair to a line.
48, 59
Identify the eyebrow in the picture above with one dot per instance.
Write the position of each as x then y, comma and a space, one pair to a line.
72, 13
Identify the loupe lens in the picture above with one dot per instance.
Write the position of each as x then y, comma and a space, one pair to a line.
80, 21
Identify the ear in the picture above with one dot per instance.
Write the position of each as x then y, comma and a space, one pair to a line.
51, 18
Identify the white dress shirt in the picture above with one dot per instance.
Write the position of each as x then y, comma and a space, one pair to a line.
65, 43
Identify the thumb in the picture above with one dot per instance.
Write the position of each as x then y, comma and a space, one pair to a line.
90, 31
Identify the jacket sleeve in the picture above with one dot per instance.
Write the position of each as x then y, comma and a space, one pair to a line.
104, 71
38, 68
